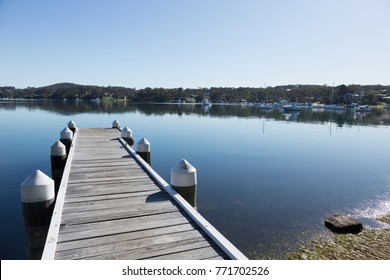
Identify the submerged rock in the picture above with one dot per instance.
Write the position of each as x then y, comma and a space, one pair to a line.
343, 224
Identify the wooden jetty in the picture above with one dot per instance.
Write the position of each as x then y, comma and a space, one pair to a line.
112, 205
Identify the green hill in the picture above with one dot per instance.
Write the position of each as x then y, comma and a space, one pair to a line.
61, 86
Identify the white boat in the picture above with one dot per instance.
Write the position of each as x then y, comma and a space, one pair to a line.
330, 106
318, 106
352, 106
263, 106
363, 108
340, 108
291, 107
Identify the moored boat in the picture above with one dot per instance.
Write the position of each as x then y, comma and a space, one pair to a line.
263, 106
363, 108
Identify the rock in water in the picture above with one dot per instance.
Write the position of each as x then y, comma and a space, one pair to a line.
343, 224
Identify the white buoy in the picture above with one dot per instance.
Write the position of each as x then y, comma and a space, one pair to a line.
66, 137
72, 126
58, 161
127, 135
184, 181
143, 150
37, 195
116, 124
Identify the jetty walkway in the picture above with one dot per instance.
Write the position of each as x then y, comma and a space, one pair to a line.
112, 205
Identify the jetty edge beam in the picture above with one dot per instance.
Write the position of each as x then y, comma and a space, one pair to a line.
54, 228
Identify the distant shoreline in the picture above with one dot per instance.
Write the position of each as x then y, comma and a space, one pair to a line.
324, 94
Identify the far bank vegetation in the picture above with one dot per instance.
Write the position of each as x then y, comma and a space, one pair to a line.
342, 94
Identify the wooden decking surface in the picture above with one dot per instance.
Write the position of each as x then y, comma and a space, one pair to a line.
114, 210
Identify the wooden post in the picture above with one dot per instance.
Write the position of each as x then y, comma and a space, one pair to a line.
116, 124
143, 150
37, 195
127, 135
66, 137
184, 181
72, 126
58, 160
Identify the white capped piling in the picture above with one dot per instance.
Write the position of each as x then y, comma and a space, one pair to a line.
127, 135
37, 195
143, 150
116, 124
58, 160
184, 181
66, 137
72, 126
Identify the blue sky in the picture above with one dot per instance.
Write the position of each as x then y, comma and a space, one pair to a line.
194, 43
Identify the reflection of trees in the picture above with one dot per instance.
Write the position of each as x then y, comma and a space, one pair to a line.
375, 117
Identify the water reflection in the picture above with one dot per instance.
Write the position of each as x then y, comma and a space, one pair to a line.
377, 116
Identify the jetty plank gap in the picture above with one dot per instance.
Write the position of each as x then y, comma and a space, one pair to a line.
112, 205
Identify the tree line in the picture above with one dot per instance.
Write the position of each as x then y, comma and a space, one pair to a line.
342, 94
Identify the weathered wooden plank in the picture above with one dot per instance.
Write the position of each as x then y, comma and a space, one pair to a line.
94, 191
131, 185
109, 196
127, 236
97, 231
118, 213
187, 237
123, 169
103, 179
159, 251
80, 231
112, 181
124, 203
203, 252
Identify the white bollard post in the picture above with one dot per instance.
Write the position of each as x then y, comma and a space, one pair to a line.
58, 161
66, 137
184, 181
143, 150
127, 135
116, 124
72, 126
37, 195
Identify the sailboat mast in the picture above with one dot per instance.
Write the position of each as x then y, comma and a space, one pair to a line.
332, 93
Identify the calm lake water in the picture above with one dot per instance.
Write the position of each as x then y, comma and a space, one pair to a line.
266, 180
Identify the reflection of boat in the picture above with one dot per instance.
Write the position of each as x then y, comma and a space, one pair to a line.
291, 115
206, 102
291, 108
363, 108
